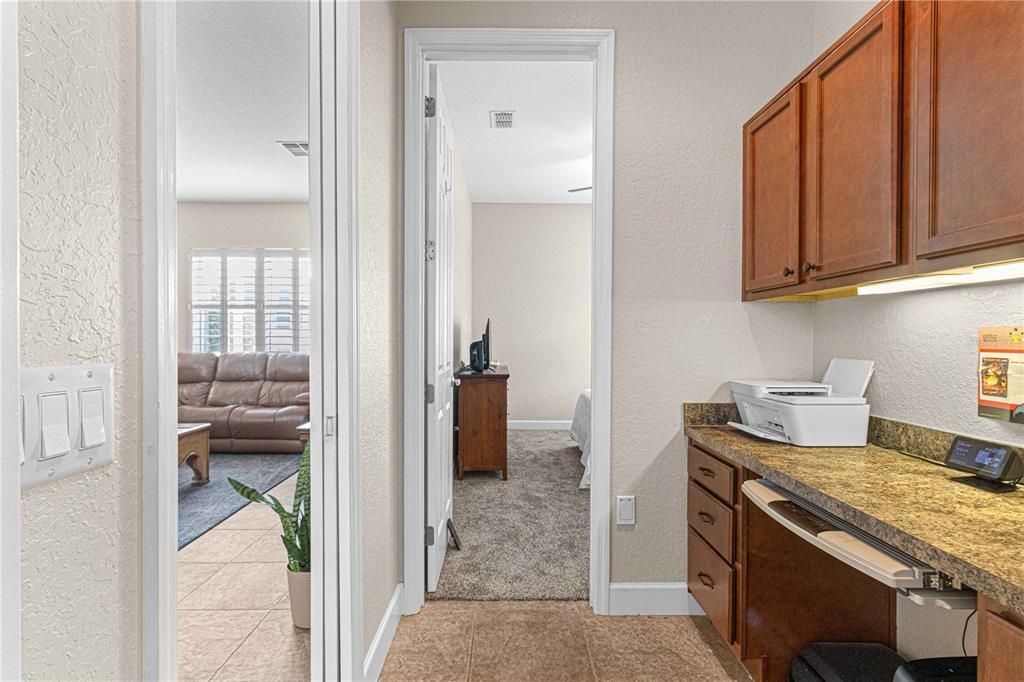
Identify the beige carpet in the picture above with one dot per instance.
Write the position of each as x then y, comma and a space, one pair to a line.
527, 537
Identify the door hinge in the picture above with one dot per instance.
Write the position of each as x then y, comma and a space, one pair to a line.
431, 107
429, 250
428, 536
430, 394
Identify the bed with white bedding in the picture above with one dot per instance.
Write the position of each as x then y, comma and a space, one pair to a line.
580, 432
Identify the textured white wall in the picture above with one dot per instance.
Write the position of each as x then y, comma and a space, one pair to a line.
531, 277
242, 226
80, 294
462, 263
925, 348
687, 77
833, 18
380, 307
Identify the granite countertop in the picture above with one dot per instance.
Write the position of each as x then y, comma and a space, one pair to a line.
971, 534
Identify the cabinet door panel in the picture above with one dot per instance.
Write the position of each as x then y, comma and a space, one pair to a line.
853, 111
771, 196
1000, 642
968, 126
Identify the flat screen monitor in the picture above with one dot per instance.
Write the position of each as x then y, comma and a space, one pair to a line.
487, 344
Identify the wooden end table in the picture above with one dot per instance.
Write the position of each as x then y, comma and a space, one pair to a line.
303, 433
194, 450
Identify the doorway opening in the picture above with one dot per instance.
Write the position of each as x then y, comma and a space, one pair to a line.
244, 337
509, 170
508, 312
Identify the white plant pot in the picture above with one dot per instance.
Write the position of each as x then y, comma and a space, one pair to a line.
299, 596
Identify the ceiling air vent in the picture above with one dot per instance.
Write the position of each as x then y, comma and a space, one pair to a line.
295, 148
502, 119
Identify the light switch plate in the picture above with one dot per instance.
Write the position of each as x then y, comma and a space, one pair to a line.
67, 421
625, 510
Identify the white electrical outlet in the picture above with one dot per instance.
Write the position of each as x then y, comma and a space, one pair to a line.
625, 510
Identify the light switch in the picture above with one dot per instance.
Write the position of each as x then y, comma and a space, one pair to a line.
90, 405
625, 510
53, 422
66, 418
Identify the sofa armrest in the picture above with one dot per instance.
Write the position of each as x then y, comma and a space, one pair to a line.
302, 398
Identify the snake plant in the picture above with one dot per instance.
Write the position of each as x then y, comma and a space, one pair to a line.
295, 524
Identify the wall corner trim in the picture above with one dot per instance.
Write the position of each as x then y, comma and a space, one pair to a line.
652, 599
373, 664
539, 425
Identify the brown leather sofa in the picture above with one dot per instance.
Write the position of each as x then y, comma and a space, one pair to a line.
254, 402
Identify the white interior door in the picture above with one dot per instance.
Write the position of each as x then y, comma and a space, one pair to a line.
439, 379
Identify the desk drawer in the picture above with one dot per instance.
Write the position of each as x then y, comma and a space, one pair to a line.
712, 520
710, 581
713, 474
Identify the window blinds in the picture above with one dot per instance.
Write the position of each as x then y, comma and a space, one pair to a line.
249, 300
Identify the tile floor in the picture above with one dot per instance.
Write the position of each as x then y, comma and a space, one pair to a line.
527, 641
234, 621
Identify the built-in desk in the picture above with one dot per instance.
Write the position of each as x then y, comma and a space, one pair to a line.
914, 505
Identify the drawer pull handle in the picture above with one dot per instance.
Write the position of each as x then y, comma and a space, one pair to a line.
706, 580
710, 473
706, 518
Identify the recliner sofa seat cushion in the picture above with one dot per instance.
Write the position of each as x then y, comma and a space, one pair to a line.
282, 393
266, 422
216, 417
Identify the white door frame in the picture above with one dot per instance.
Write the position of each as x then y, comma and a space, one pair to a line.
337, 557
423, 45
10, 428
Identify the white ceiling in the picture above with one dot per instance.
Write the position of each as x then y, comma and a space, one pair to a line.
242, 85
549, 149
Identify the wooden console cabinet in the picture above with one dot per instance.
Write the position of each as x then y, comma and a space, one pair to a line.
481, 421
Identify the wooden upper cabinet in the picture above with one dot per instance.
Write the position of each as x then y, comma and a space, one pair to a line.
853, 119
771, 196
968, 125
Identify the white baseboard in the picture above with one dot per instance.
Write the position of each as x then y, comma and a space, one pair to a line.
539, 424
378, 651
652, 599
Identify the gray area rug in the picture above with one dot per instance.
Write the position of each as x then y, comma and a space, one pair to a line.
201, 507
527, 537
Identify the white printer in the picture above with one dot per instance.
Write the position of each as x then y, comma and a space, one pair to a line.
830, 413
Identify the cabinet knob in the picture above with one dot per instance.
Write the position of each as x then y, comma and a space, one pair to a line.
706, 580
786, 272
710, 473
706, 518
808, 266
